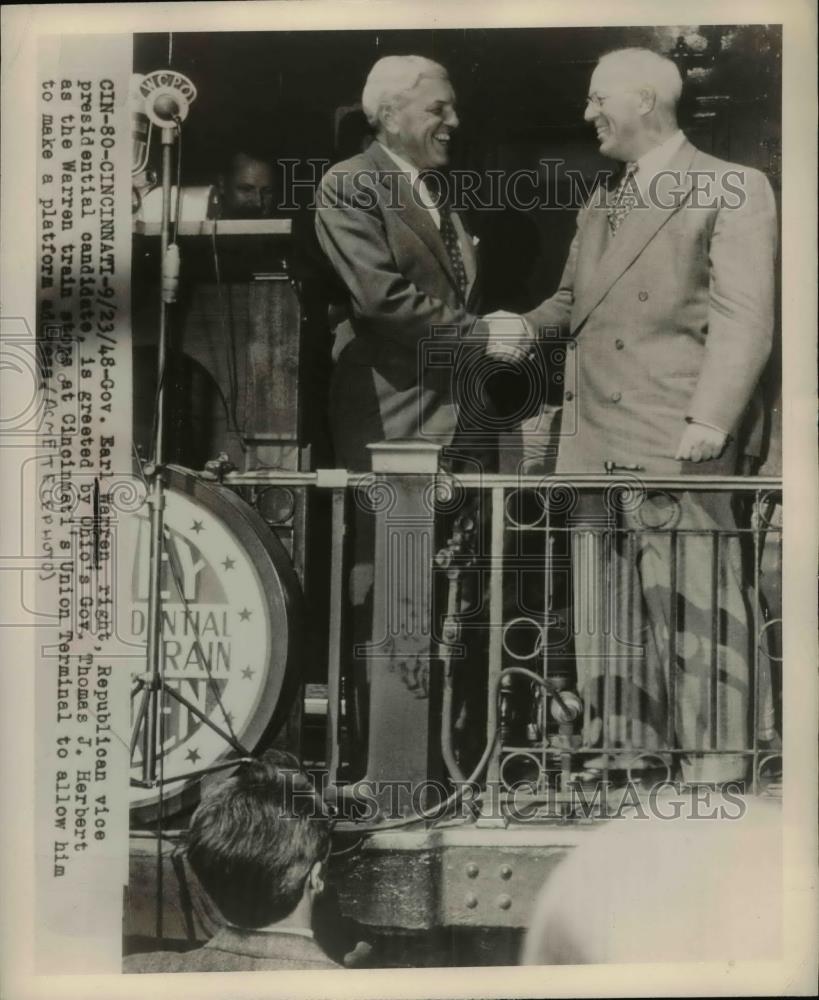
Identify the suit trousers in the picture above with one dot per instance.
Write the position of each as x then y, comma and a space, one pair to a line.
662, 634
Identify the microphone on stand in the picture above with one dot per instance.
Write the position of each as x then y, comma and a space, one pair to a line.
167, 97
162, 99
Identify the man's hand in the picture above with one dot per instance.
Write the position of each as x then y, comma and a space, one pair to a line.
510, 337
700, 443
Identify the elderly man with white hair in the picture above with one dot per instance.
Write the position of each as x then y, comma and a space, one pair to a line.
410, 269
412, 344
668, 298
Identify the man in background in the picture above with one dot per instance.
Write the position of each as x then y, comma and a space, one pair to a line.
246, 185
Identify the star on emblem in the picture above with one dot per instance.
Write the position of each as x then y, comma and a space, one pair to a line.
197, 527
192, 755
247, 673
228, 563
244, 614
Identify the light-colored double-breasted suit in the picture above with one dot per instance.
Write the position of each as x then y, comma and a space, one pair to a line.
671, 318
397, 376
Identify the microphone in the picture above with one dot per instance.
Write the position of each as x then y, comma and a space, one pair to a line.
167, 96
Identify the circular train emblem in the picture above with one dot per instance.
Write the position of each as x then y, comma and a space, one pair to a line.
228, 599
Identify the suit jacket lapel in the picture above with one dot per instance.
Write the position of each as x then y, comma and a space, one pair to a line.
592, 247
402, 199
636, 230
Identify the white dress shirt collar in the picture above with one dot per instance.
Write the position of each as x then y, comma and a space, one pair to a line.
424, 197
657, 159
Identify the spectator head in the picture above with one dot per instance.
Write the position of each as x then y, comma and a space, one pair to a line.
246, 184
259, 841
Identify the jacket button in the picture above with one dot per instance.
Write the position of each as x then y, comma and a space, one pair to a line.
616, 397
619, 344
568, 395
642, 296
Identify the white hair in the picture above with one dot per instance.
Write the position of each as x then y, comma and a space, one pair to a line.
392, 77
644, 67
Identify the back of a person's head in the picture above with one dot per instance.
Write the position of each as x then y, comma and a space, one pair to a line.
255, 837
653, 890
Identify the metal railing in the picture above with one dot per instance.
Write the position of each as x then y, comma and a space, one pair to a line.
585, 629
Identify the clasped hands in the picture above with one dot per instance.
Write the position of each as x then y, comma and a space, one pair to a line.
510, 336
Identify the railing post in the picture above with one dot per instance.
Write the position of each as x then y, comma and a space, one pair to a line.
490, 815
402, 744
336, 632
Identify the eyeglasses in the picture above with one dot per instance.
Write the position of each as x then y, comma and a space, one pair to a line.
598, 100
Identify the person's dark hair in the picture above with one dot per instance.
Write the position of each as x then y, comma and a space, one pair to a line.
255, 837
251, 149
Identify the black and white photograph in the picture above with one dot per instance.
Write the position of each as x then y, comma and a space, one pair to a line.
409, 482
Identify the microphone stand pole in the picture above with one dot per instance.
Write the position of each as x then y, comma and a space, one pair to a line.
156, 501
149, 715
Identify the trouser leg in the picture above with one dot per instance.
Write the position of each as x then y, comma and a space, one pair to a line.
690, 570
661, 630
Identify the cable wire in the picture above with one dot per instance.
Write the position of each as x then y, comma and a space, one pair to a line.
440, 811
178, 207
229, 340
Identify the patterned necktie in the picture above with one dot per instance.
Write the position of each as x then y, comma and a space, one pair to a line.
449, 234
453, 248
625, 198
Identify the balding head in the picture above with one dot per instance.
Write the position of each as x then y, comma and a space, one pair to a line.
633, 97
643, 69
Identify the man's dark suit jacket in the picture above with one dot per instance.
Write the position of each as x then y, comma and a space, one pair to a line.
398, 374
236, 950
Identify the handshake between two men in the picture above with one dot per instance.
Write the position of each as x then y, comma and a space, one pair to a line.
510, 337
513, 339
670, 303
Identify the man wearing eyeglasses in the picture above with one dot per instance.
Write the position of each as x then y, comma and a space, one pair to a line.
668, 295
